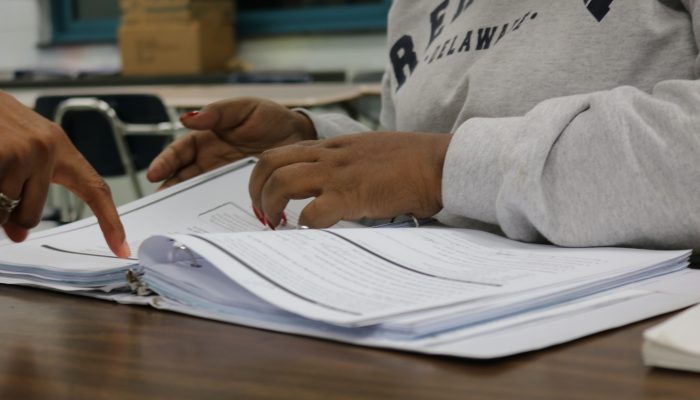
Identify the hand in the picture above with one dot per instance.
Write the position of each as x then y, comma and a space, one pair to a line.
35, 152
227, 131
373, 175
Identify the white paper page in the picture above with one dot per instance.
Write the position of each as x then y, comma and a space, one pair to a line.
663, 294
565, 328
214, 202
523, 333
364, 276
526, 301
680, 332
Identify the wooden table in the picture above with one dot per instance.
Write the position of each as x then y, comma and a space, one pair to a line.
196, 96
64, 347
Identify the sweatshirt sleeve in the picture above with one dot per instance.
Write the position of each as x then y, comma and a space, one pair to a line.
329, 125
618, 167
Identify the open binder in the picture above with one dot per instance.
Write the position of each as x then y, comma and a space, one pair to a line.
433, 289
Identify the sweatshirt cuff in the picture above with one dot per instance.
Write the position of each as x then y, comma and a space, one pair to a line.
473, 171
331, 125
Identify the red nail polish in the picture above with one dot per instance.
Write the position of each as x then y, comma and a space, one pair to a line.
259, 216
284, 218
190, 114
269, 224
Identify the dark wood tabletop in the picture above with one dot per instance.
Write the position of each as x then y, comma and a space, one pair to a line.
57, 346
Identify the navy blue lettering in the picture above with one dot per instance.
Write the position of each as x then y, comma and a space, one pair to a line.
435, 52
466, 43
518, 22
452, 46
442, 49
463, 5
598, 8
485, 36
504, 29
437, 18
402, 56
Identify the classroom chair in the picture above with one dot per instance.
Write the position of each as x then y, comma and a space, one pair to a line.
118, 134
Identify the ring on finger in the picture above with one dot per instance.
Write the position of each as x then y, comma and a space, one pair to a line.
7, 204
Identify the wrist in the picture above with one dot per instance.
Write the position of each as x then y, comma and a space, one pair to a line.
304, 126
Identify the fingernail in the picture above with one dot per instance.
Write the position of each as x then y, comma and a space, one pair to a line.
269, 224
124, 250
189, 115
284, 218
258, 215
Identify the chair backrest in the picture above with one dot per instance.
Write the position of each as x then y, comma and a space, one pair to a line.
91, 133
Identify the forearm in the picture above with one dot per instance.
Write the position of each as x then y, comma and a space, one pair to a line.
607, 168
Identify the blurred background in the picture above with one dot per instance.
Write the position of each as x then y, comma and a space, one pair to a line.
80, 36
117, 73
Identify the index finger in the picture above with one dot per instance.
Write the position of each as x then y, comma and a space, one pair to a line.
80, 178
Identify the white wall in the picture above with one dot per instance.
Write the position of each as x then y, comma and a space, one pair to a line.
19, 34
23, 24
349, 52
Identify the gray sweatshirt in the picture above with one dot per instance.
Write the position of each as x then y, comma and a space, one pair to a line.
575, 122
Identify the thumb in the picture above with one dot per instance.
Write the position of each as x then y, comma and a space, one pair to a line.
220, 116
322, 212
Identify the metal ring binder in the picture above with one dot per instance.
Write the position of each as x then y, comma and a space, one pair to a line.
176, 255
416, 224
408, 220
136, 285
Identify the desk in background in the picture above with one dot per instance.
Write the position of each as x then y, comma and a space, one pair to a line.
62, 347
360, 101
182, 97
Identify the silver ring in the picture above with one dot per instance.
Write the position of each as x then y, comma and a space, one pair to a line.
7, 204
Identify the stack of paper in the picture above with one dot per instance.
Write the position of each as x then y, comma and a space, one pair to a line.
75, 257
433, 289
402, 283
674, 343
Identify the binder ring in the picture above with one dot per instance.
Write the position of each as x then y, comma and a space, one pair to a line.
416, 223
179, 248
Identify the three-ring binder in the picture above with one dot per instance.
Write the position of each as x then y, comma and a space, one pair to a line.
178, 255
136, 285
182, 254
405, 221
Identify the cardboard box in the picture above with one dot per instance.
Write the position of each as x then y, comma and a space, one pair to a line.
168, 37
172, 49
176, 11
143, 6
